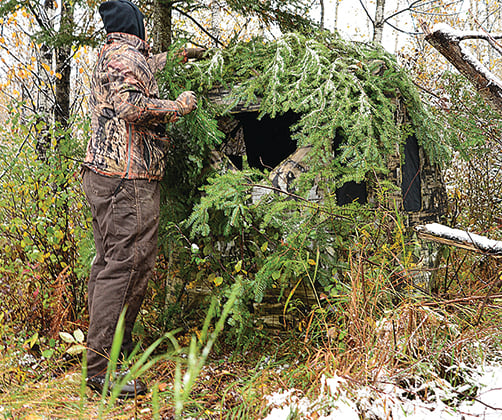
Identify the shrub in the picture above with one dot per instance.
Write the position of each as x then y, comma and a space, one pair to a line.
43, 225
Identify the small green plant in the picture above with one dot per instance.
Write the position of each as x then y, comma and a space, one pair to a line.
198, 352
76, 340
140, 364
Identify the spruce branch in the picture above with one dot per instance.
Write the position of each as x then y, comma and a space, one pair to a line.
298, 198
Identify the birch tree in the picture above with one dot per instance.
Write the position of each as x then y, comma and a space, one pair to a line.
379, 21
162, 32
386, 15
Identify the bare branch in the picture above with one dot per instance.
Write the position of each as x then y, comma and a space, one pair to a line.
491, 40
181, 12
366, 11
401, 30
447, 42
411, 8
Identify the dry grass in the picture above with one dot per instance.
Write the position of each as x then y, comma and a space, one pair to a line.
229, 386
362, 333
372, 339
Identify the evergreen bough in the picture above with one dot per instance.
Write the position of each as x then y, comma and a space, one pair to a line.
335, 87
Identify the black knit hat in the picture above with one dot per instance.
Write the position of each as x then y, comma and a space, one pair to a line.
122, 16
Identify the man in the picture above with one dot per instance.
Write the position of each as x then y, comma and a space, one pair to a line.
125, 161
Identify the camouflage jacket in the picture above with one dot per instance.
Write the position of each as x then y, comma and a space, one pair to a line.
128, 120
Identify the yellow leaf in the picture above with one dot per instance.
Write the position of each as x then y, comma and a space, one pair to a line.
79, 335
218, 280
76, 349
66, 337
46, 67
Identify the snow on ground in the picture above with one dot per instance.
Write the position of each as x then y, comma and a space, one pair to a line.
388, 401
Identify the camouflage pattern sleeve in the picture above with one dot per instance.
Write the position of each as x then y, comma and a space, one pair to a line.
131, 98
157, 62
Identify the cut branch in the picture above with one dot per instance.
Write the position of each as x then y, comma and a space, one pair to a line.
460, 238
448, 42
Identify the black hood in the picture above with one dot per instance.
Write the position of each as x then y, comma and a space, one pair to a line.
122, 16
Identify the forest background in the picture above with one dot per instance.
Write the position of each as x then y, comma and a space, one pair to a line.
48, 50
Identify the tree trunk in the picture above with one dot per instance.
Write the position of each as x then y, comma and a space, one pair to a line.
447, 42
162, 25
215, 8
337, 4
379, 22
321, 26
44, 106
63, 67
396, 42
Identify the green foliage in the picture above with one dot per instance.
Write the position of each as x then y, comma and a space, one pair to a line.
339, 89
193, 136
334, 85
42, 217
266, 244
228, 195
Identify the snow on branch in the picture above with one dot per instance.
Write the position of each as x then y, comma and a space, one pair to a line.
457, 35
448, 42
460, 238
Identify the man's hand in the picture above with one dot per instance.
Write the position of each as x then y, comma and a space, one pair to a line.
187, 102
196, 53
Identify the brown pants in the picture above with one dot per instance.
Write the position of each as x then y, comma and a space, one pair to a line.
125, 218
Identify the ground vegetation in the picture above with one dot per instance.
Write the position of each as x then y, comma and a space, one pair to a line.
215, 357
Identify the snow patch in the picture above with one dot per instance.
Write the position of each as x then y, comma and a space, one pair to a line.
385, 400
455, 34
